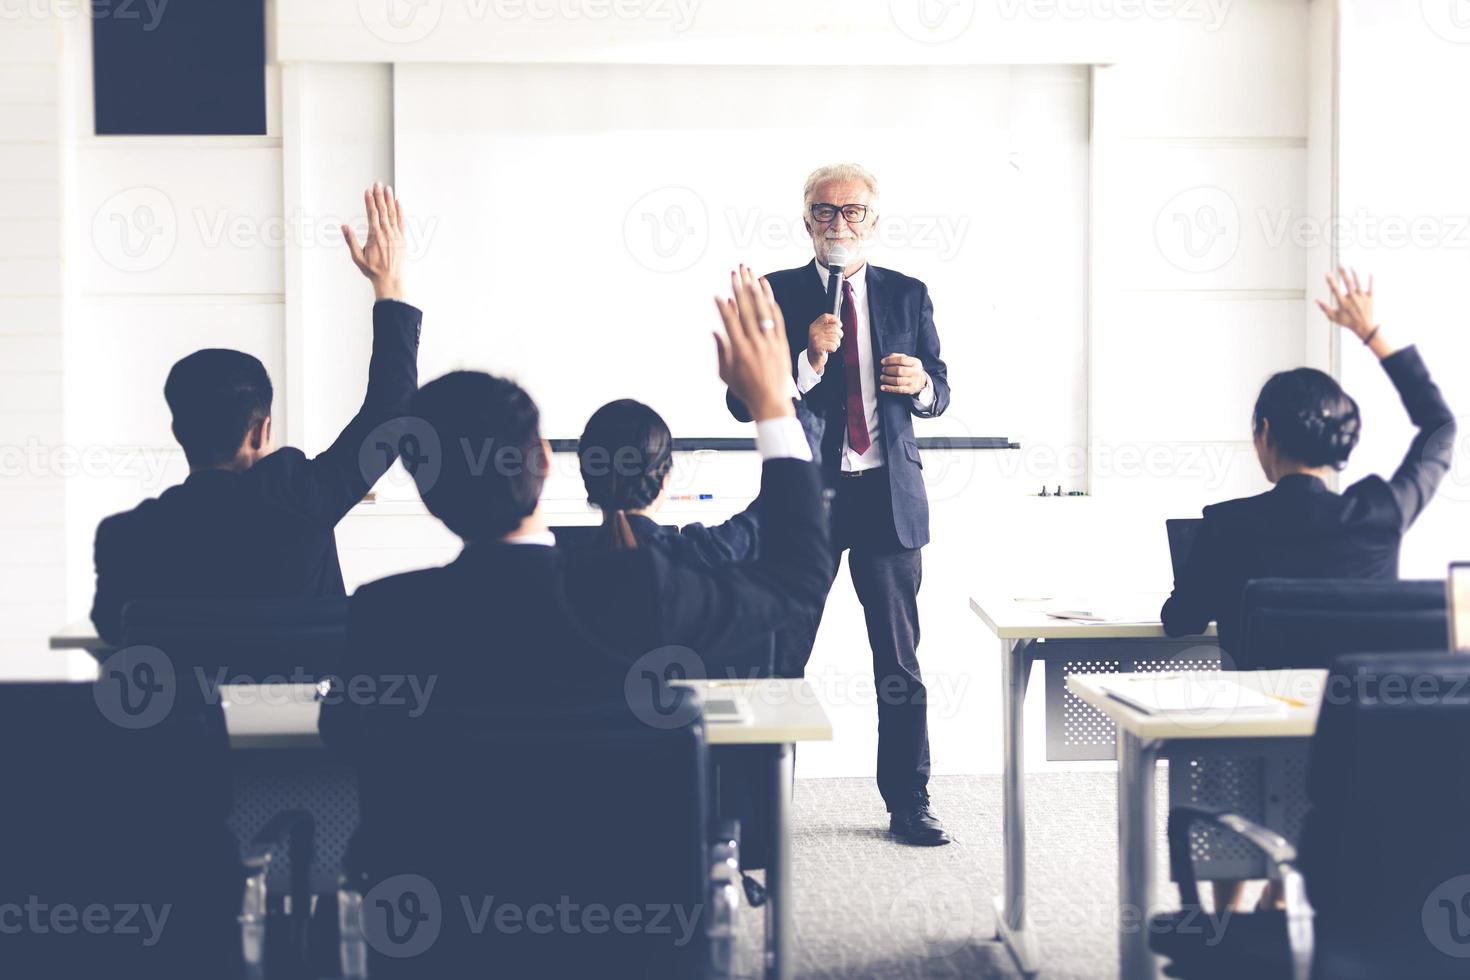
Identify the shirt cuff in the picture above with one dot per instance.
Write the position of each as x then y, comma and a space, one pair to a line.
782, 438
807, 377
925, 398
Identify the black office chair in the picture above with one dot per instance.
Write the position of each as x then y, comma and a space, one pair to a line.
209, 642
466, 814
1307, 622
245, 640
1385, 855
114, 820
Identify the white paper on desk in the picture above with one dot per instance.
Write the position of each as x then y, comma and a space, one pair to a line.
1190, 693
1104, 612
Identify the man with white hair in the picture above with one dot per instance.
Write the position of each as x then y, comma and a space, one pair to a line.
863, 375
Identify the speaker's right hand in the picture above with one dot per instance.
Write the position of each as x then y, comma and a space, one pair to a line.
823, 337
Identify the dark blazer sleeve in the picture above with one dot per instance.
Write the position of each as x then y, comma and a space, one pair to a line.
731, 541
329, 484
1432, 451
711, 609
928, 352
1201, 588
108, 599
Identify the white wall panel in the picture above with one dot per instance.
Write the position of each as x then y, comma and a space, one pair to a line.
183, 217
1186, 367
150, 337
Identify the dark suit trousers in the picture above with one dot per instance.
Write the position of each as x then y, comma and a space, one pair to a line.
886, 576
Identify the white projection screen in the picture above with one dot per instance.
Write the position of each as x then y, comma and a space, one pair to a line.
573, 223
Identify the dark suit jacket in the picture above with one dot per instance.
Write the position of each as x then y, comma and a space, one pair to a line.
266, 532
902, 322
701, 546
1302, 529
519, 624
709, 546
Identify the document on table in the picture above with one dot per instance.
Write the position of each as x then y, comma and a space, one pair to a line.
1190, 693
1124, 610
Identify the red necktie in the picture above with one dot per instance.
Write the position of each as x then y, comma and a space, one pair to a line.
857, 418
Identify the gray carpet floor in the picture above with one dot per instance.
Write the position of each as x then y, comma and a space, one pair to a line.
867, 907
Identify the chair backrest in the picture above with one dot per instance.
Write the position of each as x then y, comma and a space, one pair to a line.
599, 811
1307, 622
1386, 849
244, 640
116, 803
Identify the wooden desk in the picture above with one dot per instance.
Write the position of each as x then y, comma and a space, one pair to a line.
1141, 737
1022, 626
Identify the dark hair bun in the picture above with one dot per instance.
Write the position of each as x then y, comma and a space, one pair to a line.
1313, 421
624, 454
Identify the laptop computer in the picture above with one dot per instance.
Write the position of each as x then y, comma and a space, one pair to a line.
1457, 603
1182, 534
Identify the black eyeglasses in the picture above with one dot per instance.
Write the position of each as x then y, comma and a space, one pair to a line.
855, 213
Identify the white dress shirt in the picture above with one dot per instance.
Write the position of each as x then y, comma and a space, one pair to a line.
807, 376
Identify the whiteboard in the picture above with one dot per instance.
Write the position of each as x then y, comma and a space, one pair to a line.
574, 222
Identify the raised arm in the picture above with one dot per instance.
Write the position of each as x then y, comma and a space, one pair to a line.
724, 604
1430, 454
342, 474
737, 539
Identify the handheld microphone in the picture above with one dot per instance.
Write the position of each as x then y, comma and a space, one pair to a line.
837, 260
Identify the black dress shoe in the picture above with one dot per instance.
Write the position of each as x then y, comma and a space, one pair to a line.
915, 824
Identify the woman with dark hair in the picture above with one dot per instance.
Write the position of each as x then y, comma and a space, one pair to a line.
1305, 429
626, 454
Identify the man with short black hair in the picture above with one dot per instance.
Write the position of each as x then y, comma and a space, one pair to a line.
251, 521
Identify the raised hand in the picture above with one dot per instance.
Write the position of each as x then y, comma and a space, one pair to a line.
381, 259
1353, 308
754, 360
823, 337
